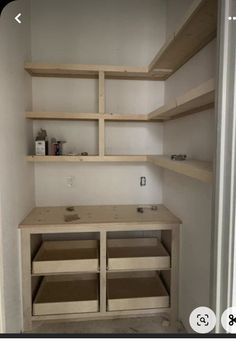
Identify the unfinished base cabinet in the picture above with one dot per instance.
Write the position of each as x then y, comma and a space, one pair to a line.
112, 262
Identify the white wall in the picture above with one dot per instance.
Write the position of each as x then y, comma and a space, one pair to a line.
125, 32
16, 176
100, 32
188, 198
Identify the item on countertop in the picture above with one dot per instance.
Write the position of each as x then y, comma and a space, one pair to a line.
70, 209
41, 143
140, 209
84, 154
71, 218
178, 157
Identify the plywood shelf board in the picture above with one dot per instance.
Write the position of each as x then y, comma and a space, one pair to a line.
197, 29
194, 101
92, 71
200, 170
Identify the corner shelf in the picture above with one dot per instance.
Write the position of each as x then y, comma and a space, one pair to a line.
92, 71
194, 101
196, 169
196, 30
201, 170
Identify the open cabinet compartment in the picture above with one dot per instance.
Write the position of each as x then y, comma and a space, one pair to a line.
137, 253
143, 291
66, 294
66, 256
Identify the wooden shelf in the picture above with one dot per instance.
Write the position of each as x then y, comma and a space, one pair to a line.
115, 158
136, 293
92, 71
85, 116
197, 169
66, 256
196, 30
66, 294
136, 254
200, 170
194, 101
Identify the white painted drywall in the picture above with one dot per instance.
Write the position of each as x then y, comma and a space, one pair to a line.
125, 32
107, 32
16, 175
188, 198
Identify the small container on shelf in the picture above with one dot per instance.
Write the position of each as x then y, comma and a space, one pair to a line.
41, 143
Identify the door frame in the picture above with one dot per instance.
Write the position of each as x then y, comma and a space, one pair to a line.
223, 277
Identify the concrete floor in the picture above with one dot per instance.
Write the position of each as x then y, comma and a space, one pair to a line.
143, 325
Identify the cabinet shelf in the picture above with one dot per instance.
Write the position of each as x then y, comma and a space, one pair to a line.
66, 256
194, 101
62, 295
136, 293
201, 170
197, 29
136, 254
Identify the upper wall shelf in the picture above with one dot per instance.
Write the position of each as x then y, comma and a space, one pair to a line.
197, 29
194, 101
92, 71
85, 116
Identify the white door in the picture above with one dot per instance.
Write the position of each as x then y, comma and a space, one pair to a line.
224, 225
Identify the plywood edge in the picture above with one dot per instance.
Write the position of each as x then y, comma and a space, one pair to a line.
61, 116
85, 116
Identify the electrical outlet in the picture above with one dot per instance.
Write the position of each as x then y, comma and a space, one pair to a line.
70, 181
143, 181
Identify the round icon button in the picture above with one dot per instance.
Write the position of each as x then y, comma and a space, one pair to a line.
202, 320
228, 320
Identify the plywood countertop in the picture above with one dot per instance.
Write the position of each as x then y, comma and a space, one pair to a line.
94, 215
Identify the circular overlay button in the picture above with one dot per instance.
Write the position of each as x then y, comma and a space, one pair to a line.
228, 320
202, 320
